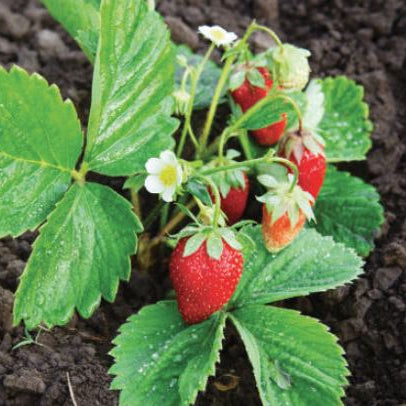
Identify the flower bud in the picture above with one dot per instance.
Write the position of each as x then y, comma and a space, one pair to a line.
182, 99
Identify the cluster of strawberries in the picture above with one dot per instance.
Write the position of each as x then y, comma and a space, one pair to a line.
203, 283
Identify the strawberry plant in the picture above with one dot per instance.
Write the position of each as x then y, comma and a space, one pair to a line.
316, 221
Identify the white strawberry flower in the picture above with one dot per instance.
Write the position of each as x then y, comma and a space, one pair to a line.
164, 175
219, 36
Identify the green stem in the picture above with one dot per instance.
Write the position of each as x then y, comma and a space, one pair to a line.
215, 101
135, 200
243, 138
223, 139
270, 32
153, 215
292, 166
231, 167
217, 198
164, 216
174, 221
220, 85
188, 117
253, 162
193, 136
295, 106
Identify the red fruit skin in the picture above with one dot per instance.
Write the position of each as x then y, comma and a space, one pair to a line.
247, 95
269, 136
203, 285
279, 234
312, 170
234, 204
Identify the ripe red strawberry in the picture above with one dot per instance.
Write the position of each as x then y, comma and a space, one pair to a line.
204, 284
279, 234
247, 95
234, 202
307, 154
285, 210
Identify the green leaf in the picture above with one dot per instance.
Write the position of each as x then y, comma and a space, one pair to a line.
312, 263
81, 19
207, 82
272, 112
160, 360
198, 189
345, 126
134, 75
81, 254
136, 182
296, 361
348, 209
39, 148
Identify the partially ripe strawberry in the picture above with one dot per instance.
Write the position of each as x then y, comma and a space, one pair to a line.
307, 153
203, 283
248, 94
284, 212
280, 233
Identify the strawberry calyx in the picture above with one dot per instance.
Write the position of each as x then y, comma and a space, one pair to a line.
295, 142
282, 198
214, 238
253, 71
227, 180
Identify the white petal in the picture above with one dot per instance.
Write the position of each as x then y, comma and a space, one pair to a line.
168, 157
229, 38
154, 166
167, 194
179, 175
153, 184
205, 31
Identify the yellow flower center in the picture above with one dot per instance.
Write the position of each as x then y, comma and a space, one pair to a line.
217, 34
168, 175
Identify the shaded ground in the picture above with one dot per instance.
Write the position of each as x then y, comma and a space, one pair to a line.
365, 40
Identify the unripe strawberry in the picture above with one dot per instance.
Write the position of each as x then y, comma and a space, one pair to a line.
248, 94
204, 284
291, 66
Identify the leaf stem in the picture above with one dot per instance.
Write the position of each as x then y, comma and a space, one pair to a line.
171, 224
195, 80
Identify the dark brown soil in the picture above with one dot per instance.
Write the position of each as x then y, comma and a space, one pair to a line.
364, 39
